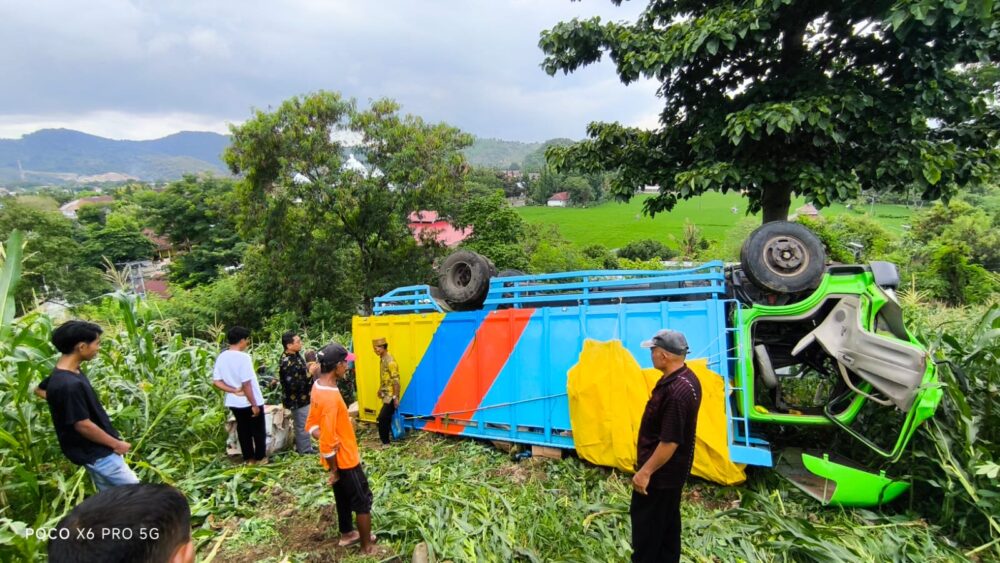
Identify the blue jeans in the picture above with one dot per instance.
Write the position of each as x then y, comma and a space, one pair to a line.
111, 471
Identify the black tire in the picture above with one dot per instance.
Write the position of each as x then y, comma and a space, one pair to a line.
783, 258
465, 280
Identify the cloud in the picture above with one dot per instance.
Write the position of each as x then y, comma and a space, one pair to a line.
143, 65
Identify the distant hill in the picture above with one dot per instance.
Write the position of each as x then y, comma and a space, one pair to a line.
60, 156
495, 153
63, 155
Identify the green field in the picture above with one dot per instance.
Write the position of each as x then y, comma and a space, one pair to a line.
616, 224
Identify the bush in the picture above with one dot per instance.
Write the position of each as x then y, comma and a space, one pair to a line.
646, 249
601, 256
876, 242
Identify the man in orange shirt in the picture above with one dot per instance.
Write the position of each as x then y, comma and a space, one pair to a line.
338, 449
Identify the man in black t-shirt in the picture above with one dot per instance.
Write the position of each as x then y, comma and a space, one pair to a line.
665, 451
82, 426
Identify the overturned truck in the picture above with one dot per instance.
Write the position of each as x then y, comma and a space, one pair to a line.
780, 340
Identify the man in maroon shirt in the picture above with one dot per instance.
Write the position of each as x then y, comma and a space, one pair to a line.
665, 451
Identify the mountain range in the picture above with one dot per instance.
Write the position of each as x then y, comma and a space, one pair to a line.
64, 156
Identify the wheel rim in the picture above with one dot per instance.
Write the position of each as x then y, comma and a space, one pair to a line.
786, 256
463, 274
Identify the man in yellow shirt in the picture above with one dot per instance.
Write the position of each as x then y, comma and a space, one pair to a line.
338, 449
388, 389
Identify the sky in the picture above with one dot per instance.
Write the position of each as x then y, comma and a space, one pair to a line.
143, 69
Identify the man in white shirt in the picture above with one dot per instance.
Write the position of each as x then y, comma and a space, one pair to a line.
235, 375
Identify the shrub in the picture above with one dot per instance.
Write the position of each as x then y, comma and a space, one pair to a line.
646, 249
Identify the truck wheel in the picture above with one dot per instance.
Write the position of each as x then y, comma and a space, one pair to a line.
465, 279
783, 257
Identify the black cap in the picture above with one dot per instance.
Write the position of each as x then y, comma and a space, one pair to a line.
333, 353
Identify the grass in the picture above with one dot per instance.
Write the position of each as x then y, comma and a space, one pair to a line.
614, 224
469, 502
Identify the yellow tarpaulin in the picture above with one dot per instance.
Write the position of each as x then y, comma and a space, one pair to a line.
607, 395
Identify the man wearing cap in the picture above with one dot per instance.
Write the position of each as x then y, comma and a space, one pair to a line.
338, 449
388, 390
665, 451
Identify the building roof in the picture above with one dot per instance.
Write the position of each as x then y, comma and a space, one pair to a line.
560, 196
426, 223
807, 209
161, 242
70, 209
424, 217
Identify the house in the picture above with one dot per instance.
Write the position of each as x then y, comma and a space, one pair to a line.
560, 199
163, 247
70, 209
429, 224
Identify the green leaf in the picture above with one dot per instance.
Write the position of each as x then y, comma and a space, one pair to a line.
10, 274
932, 173
712, 46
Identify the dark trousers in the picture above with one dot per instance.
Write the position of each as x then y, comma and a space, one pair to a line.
385, 422
656, 525
352, 495
345, 517
251, 433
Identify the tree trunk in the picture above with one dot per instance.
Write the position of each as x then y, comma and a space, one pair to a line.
776, 202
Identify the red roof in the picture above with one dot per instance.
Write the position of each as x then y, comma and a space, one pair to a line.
424, 217
442, 231
561, 196
158, 287
161, 242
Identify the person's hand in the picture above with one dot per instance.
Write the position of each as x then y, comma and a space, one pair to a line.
255, 410
313, 369
334, 477
395, 402
122, 447
239, 393
639, 482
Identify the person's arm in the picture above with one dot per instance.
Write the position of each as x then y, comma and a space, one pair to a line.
394, 375
247, 391
661, 455
329, 444
42, 389
220, 384
92, 432
247, 376
673, 425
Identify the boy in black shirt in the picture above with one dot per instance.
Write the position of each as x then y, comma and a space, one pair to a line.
83, 428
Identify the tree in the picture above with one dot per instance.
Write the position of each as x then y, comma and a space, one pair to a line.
55, 265
198, 216
497, 231
92, 214
295, 176
580, 192
773, 98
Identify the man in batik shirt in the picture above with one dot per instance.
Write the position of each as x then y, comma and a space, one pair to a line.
296, 385
388, 390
